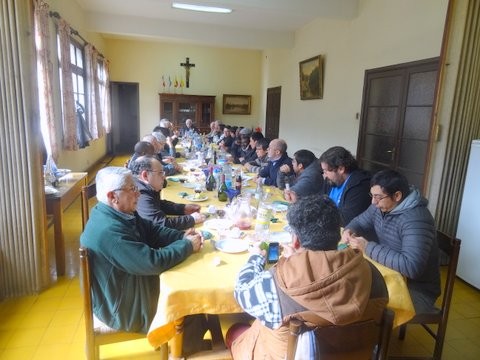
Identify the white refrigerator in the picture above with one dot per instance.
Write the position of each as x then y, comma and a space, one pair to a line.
469, 221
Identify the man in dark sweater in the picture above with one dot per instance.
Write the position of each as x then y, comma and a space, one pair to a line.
149, 180
345, 183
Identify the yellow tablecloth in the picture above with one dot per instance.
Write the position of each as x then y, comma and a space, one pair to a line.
198, 286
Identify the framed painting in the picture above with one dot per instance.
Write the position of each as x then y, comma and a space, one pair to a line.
311, 78
237, 104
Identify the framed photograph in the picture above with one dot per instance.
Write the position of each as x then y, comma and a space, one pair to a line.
237, 104
311, 78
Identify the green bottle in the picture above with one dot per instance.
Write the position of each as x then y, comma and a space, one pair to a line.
222, 190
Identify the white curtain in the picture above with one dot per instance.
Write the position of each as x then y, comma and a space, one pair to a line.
68, 101
98, 95
45, 76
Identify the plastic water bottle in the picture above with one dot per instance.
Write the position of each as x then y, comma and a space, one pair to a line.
227, 171
264, 215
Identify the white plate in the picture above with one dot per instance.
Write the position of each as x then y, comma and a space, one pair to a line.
218, 224
189, 185
279, 207
232, 246
194, 199
282, 237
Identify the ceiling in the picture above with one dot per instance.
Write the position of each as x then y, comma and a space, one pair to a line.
256, 24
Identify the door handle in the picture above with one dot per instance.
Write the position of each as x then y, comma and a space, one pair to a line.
392, 152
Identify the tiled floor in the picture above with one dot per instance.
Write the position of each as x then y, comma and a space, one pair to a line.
50, 326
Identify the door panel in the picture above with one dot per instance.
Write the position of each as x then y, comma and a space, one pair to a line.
417, 122
382, 121
272, 117
384, 91
396, 119
125, 117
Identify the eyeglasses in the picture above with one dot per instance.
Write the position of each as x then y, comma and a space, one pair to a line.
160, 172
132, 188
378, 197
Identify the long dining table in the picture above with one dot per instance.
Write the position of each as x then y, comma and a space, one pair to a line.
204, 282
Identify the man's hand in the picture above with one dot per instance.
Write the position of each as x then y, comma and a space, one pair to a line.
199, 218
354, 241
285, 169
290, 195
196, 241
191, 208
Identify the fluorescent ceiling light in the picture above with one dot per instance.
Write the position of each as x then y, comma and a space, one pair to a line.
201, 8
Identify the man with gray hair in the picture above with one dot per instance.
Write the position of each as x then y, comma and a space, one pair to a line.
149, 179
129, 253
157, 139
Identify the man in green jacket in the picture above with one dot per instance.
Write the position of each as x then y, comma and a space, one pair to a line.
129, 253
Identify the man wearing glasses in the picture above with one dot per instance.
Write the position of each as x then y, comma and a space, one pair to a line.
150, 179
345, 183
398, 231
128, 253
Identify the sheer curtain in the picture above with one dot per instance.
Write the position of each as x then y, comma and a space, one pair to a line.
45, 76
98, 99
68, 101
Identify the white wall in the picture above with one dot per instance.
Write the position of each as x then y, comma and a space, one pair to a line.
386, 32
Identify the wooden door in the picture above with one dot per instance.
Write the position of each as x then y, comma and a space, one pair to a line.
125, 117
396, 122
272, 116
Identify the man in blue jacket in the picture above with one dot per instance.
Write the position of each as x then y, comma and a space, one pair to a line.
277, 156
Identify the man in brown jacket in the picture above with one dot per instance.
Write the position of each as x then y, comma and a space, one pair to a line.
313, 281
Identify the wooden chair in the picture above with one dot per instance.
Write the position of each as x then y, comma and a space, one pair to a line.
87, 193
451, 247
360, 340
95, 337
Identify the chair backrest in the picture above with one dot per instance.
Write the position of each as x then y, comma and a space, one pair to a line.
360, 340
88, 192
87, 298
451, 247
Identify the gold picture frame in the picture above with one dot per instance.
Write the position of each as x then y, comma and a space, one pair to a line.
311, 78
237, 104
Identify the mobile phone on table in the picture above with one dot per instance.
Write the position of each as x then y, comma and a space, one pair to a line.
273, 252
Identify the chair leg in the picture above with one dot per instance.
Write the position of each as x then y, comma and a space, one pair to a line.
163, 350
402, 331
213, 323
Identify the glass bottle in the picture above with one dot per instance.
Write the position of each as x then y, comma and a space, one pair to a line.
222, 189
238, 182
211, 183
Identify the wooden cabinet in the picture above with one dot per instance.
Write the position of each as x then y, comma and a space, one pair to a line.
178, 107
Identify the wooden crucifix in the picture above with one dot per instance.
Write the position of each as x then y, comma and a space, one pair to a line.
187, 65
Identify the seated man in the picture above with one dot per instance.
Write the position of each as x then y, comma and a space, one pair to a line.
277, 156
158, 140
247, 153
261, 161
149, 180
188, 129
398, 231
227, 140
308, 178
346, 184
166, 128
129, 253
141, 148
308, 282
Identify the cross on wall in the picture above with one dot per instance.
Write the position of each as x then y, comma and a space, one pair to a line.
187, 65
